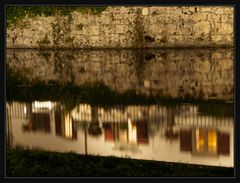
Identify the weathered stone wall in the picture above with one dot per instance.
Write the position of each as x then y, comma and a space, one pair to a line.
199, 73
128, 27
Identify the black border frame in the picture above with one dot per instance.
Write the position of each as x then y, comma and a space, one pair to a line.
234, 3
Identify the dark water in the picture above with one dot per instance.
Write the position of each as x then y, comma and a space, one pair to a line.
196, 130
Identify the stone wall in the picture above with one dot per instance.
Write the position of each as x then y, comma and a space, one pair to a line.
128, 27
199, 73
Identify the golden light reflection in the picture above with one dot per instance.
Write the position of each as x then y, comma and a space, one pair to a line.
200, 140
206, 141
132, 129
212, 141
42, 104
68, 126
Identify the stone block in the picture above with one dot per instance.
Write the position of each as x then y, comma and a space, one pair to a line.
145, 11
123, 40
83, 19
229, 39
219, 11
165, 19
201, 28
217, 38
174, 40
207, 9
118, 16
214, 17
196, 17
216, 55
107, 29
123, 10
183, 28
224, 18
171, 29
106, 19
230, 18
91, 30
146, 20
153, 20
91, 20
121, 29
224, 28
156, 28
130, 17
98, 20
111, 40
229, 10
79, 40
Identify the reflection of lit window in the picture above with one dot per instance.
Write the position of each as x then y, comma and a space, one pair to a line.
132, 129
68, 126
200, 141
25, 109
212, 141
39, 106
206, 141
123, 135
47, 104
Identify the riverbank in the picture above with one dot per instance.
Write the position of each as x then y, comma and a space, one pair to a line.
34, 163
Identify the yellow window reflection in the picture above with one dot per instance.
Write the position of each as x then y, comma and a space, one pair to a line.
200, 140
212, 141
206, 141
68, 126
132, 136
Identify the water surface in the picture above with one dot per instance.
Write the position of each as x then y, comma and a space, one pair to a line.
180, 106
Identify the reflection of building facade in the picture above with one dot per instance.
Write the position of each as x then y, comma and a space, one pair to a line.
64, 125
132, 130
83, 112
39, 116
129, 132
204, 141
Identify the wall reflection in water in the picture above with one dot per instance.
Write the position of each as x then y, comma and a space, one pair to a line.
197, 73
179, 133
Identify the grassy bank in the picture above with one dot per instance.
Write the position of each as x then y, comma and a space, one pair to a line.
41, 163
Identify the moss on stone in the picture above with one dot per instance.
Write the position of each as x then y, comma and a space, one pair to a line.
16, 13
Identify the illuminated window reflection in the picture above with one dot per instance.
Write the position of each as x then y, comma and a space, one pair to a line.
132, 136
206, 141
200, 140
68, 126
212, 141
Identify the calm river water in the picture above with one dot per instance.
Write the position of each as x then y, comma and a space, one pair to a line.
180, 108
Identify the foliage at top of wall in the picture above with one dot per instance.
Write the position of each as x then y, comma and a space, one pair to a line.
15, 13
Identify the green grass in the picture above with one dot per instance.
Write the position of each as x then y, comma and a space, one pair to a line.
15, 13
38, 163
